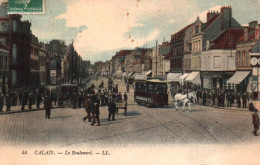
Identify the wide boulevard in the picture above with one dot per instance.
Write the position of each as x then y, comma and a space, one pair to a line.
142, 125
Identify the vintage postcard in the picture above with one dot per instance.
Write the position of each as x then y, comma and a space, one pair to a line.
129, 82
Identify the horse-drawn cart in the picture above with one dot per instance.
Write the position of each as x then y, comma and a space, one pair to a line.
121, 105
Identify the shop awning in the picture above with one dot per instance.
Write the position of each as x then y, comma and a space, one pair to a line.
184, 76
148, 72
130, 74
173, 76
238, 77
194, 78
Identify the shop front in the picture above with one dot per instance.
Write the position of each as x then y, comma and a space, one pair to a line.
217, 80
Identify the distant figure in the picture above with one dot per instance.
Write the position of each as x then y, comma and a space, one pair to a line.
1, 102
88, 110
125, 97
111, 110
255, 118
8, 102
96, 113
47, 106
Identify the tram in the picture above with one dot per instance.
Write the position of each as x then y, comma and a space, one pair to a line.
153, 92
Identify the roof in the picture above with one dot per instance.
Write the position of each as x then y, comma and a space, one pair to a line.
124, 52
210, 21
227, 39
176, 35
158, 81
4, 47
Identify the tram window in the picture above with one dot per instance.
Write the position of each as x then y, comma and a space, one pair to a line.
140, 86
64, 90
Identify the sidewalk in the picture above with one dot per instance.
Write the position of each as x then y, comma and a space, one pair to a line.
17, 109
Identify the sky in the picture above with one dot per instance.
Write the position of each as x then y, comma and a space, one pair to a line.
100, 28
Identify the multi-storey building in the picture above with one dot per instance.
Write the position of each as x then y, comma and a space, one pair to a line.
15, 34
218, 60
204, 33
4, 53
243, 49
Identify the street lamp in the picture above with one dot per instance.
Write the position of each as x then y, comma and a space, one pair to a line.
156, 41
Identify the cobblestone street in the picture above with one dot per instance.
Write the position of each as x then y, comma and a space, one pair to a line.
142, 125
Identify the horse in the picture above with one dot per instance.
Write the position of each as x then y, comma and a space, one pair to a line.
186, 98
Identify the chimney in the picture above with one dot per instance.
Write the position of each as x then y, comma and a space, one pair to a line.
226, 12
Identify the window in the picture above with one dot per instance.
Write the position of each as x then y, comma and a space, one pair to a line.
216, 62
5, 62
238, 58
13, 78
246, 59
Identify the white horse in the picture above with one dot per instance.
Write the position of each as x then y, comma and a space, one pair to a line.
184, 99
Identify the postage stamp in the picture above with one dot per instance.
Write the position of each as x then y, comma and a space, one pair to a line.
26, 7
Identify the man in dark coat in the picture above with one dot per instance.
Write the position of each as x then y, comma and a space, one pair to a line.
96, 113
47, 106
238, 101
30, 100
1, 102
244, 98
127, 87
255, 119
8, 102
228, 97
24, 100
125, 97
38, 100
106, 97
111, 110
88, 110
204, 95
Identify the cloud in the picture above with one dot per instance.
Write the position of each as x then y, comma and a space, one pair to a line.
203, 15
113, 25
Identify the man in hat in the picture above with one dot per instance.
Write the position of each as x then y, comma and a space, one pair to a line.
96, 112
111, 109
88, 110
47, 106
255, 118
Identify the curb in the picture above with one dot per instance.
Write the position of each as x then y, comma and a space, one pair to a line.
20, 111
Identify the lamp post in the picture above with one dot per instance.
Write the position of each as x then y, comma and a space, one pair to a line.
156, 41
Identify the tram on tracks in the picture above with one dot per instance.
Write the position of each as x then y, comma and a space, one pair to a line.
153, 92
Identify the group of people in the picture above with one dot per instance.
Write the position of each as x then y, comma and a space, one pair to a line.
222, 99
21, 98
93, 101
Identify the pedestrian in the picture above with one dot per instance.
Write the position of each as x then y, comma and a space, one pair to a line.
47, 106
209, 99
106, 97
238, 101
111, 110
24, 100
96, 113
8, 102
232, 99
92, 86
204, 95
80, 98
30, 100
213, 98
119, 97
88, 110
1, 102
244, 98
127, 87
125, 97
38, 100
102, 98
255, 119
228, 97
